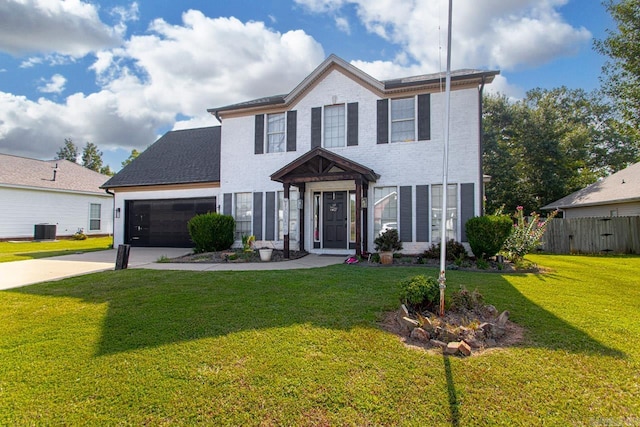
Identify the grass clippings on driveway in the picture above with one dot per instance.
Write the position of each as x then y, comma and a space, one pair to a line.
303, 347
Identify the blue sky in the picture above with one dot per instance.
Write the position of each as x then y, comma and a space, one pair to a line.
119, 73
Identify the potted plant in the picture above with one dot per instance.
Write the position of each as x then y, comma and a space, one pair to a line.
387, 243
265, 253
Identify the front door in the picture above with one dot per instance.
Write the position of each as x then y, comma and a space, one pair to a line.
334, 224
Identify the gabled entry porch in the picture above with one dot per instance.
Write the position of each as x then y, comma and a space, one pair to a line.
332, 215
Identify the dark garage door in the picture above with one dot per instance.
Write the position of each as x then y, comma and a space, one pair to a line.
163, 222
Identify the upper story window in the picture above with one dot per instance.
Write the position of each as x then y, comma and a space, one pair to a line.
334, 126
275, 133
403, 120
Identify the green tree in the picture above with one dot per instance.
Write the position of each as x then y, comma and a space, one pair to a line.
621, 74
92, 157
69, 151
134, 154
106, 170
549, 144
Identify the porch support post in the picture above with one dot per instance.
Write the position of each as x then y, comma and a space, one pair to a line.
301, 222
365, 218
285, 219
358, 218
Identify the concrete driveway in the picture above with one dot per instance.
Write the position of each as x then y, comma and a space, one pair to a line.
20, 273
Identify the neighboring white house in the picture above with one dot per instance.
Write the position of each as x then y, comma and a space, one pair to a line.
615, 195
54, 192
324, 168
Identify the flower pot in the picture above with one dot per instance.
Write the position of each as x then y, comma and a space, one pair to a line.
386, 257
265, 254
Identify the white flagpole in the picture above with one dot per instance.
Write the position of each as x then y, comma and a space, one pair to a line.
445, 166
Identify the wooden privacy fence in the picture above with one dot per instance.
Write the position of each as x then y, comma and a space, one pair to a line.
593, 235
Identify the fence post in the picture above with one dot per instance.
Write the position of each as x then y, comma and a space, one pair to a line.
122, 258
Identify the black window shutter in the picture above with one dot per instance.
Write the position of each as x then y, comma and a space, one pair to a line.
467, 206
422, 213
270, 215
383, 121
316, 127
257, 215
424, 117
259, 140
352, 124
228, 202
291, 130
406, 217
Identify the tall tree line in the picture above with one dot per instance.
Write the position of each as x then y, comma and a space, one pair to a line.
554, 142
91, 156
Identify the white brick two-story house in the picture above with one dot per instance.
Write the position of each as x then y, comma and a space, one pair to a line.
342, 157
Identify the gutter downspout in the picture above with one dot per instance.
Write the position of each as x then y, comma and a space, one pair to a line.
481, 143
113, 217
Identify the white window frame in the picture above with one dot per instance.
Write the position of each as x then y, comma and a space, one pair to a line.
93, 217
293, 215
243, 214
339, 140
379, 197
277, 133
398, 121
453, 213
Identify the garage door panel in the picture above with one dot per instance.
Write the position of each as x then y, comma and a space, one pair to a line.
163, 223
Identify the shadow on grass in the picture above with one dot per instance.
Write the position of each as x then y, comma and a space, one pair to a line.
152, 308
454, 403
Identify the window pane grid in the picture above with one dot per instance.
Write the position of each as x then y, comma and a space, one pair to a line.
402, 120
385, 209
293, 215
243, 215
451, 219
275, 133
334, 126
94, 216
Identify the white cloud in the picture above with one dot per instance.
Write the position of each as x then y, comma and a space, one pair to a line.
503, 34
70, 27
55, 85
174, 71
343, 25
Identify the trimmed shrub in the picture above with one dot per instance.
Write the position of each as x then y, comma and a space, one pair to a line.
420, 293
464, 299
455, 251
487, 234
388, 241
212, 232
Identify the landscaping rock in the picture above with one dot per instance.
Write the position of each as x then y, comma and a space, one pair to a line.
492, 330
409, 324
490, 342
420, 335
438, 343
502, 319
426, 324
490, 310
452, 348
403, 312
464, 348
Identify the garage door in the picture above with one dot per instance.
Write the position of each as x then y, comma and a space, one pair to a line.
163, 223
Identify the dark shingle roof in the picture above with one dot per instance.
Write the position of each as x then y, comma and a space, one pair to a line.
178, 157
22, 172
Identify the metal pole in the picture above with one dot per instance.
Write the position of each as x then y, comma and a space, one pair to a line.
445, 166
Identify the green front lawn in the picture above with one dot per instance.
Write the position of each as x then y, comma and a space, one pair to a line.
17, 251
136, 347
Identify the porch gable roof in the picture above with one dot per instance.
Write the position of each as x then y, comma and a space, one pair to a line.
320, 164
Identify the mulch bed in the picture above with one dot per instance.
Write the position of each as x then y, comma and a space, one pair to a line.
236, 256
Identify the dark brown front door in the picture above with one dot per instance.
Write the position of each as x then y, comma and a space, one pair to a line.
334, 224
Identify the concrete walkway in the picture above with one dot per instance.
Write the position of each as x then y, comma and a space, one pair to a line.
20, 273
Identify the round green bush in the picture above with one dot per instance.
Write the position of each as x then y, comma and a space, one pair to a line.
419, 292
487, 234
212, 232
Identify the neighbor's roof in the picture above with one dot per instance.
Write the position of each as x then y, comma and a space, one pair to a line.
178, 157
383, 87
620, 187
22, 172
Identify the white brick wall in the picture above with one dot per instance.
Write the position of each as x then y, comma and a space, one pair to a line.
407, 163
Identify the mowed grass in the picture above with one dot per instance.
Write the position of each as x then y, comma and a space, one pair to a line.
135, 347
17, 251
